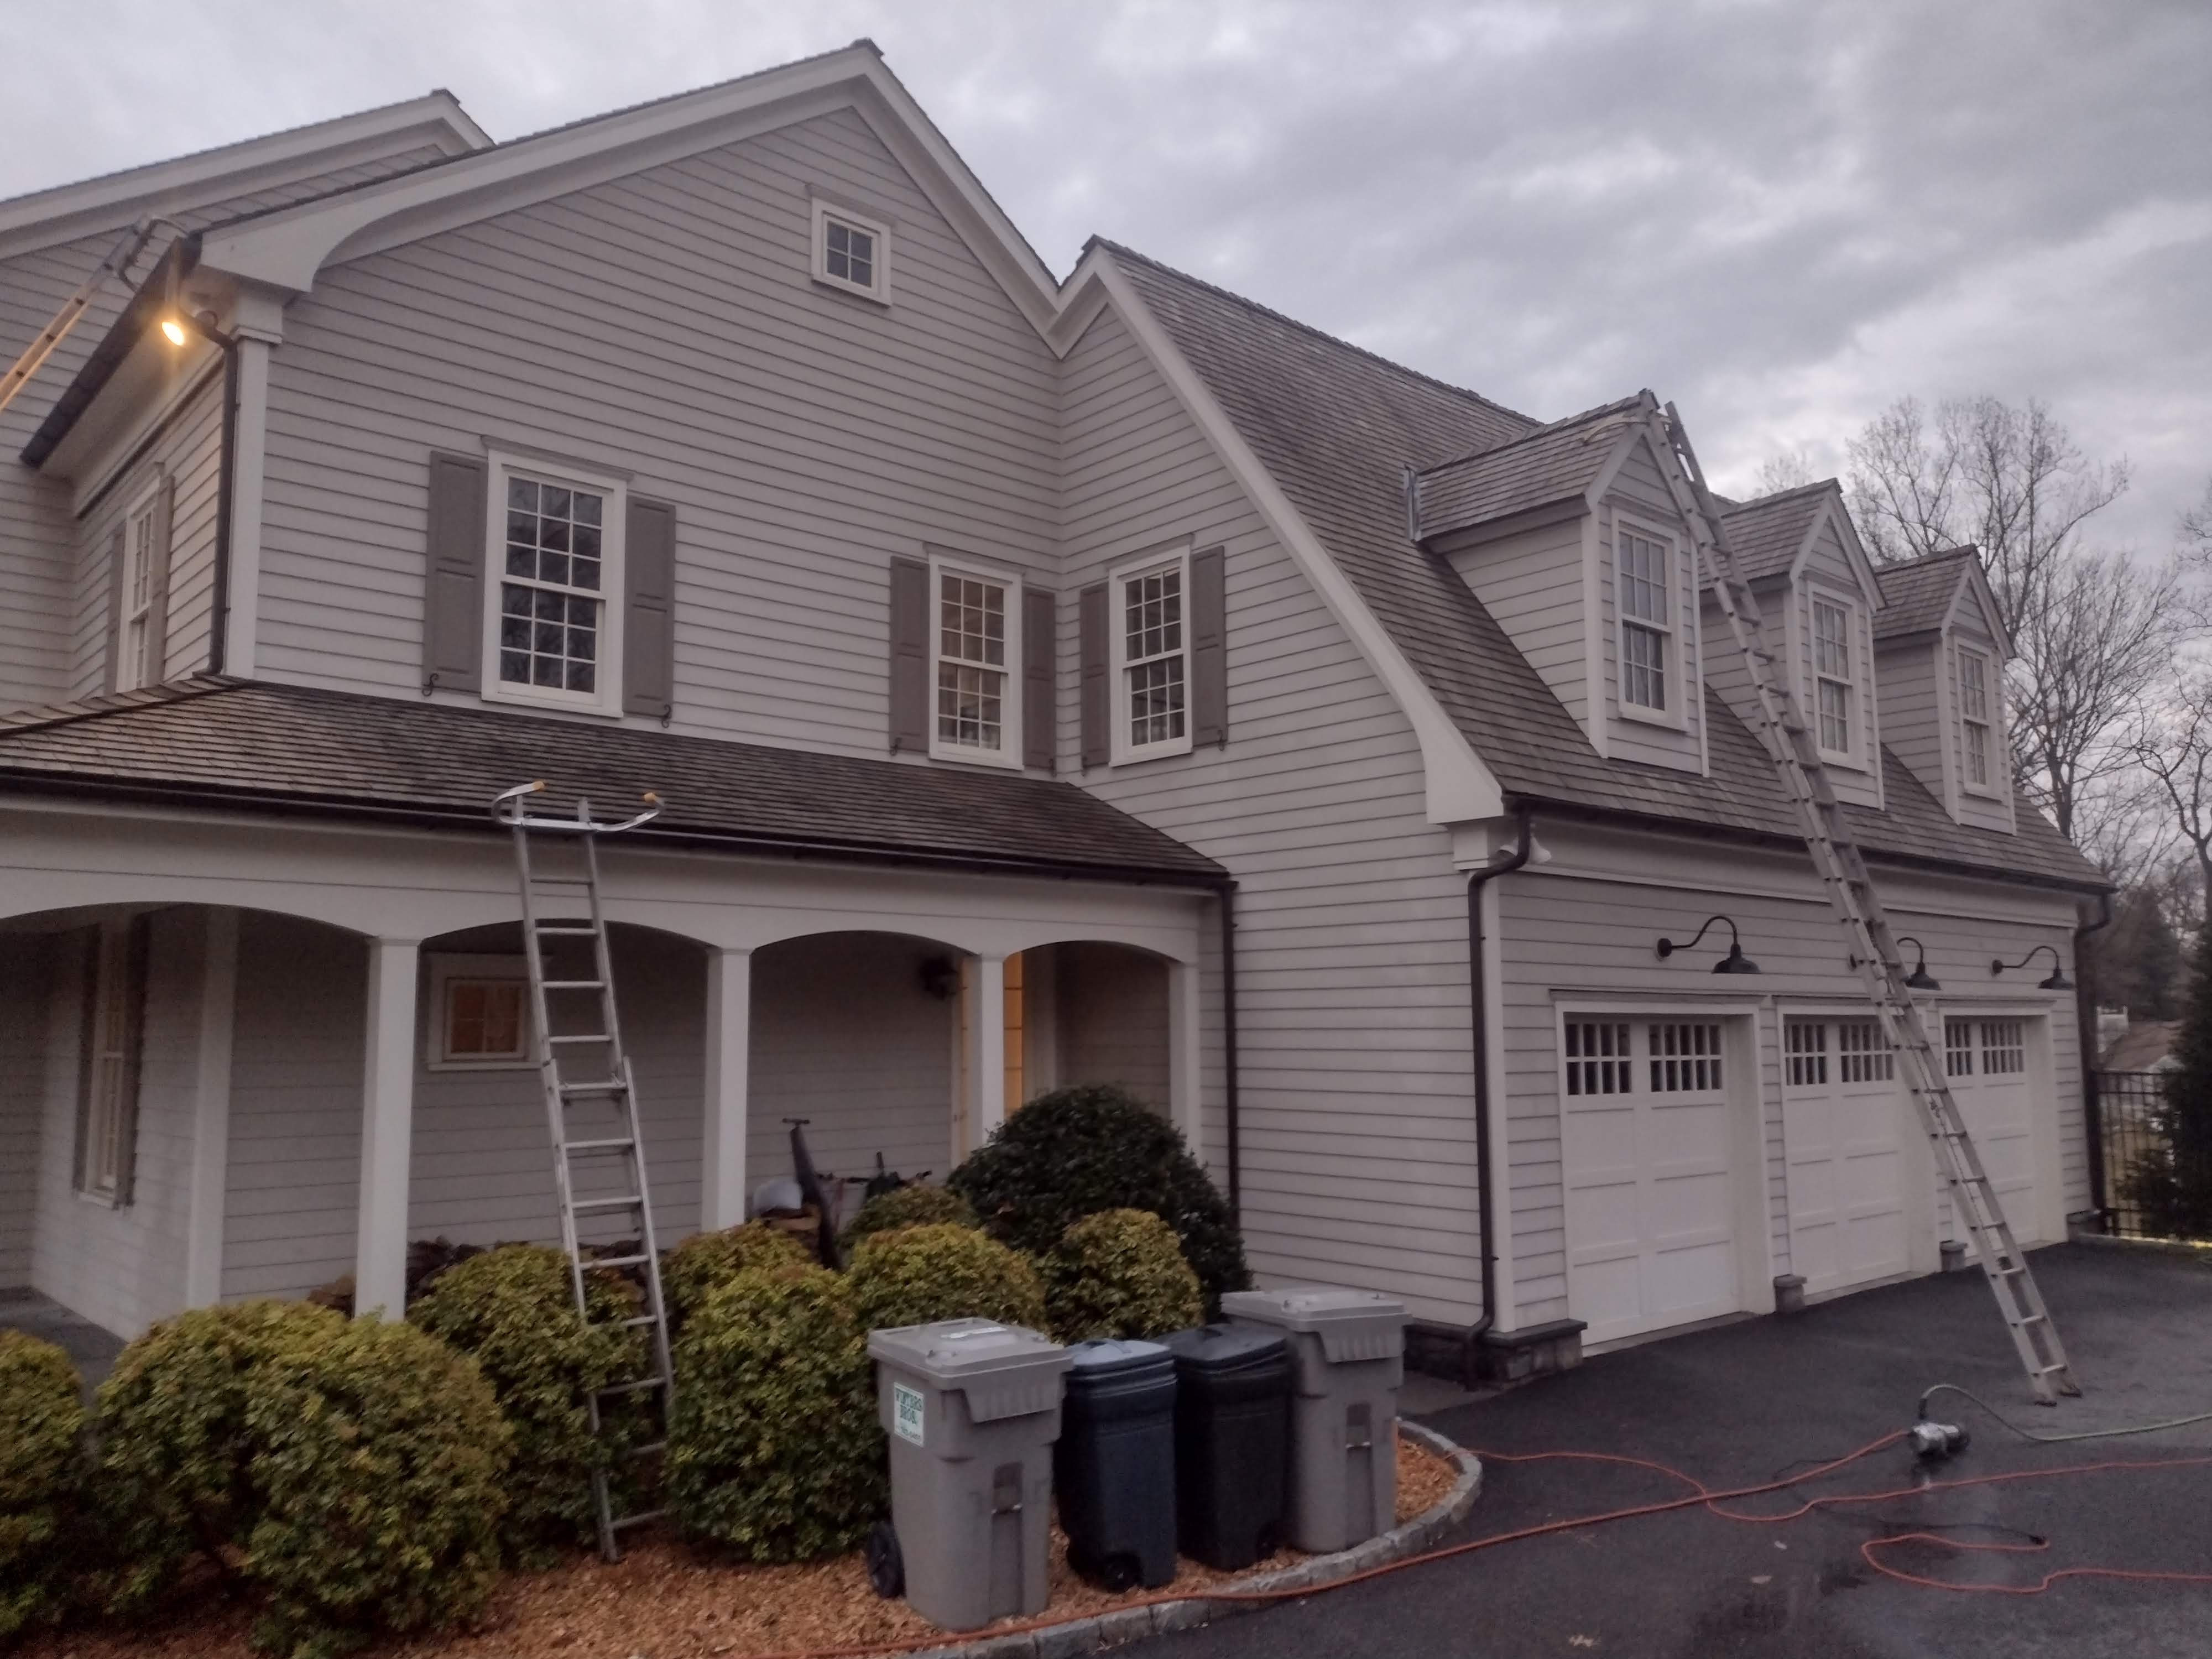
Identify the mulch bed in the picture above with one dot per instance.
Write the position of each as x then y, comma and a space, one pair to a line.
665, 1600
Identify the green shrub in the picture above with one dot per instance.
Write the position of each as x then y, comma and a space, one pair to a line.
41, 1452
917, 1275
513, 1311
1076, 1152
773, 1450
703, 1263
1119, 1273
380, 1470
911, 1206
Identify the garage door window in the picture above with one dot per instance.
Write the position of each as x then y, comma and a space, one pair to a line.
1959, 1047
1862, 1056
1684, 1057
1597, 1058
1806, 1042
2004, 1048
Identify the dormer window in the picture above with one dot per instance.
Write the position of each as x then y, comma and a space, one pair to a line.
851, 252
1974, 722
1647, 621
1835, 685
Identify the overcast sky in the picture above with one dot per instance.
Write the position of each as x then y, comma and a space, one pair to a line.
1782, 215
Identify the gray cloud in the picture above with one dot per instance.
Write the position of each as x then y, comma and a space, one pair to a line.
1783, 215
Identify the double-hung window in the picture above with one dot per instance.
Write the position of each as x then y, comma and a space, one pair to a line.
1647, 622
552, 617
140, 526
973, 646
1835, 687
113, 1040
1976, 734
1150, 621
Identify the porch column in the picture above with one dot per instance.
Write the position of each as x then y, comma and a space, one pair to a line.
729, 1031
1183, 1070
387, 1103
210, 1168
987, 1047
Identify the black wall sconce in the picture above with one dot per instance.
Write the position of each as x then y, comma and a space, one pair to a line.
940, 978
2057, 982
1919, 979
1733, 962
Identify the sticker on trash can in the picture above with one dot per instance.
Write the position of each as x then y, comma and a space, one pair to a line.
906, 1413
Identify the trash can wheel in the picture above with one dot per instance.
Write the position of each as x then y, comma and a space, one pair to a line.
886, 1566
1118, 1572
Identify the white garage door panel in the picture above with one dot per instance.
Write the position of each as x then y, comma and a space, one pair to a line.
1645, 1157
1841, 1125
1986, 1062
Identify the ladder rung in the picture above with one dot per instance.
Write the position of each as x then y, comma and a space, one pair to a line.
615, 1260
612, 1085
576, 984
581, 929
585, 1037
651, 1448
637, 1520
632, 1323
638, 1387
630, 1199
606, 1145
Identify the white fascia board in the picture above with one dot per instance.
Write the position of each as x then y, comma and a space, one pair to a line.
1624, 445
1835, 511
52, 216
1978, 579
1459, 785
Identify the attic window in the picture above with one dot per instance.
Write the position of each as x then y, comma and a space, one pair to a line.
1835, 687
1974, 717
851, 252
1646, 622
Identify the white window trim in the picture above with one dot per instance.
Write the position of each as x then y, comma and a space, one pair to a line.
607, 700
1854, 756
444, 969
95, 1186
1009, 752
1121, 750
824, 212
1993, 706
1676, 717
137, 560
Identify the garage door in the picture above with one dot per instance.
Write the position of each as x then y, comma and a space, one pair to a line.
1986, 1061
1644, 1162
1842, 1120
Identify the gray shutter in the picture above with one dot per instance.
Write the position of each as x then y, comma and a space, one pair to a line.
1097, 701
452, 596
115, 602
1040, 653
909, 656
1209, 651
157, 585
649, 610
134, 1051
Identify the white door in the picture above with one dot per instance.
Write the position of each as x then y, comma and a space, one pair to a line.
1650, 1214
1986, 1062
1842, 1138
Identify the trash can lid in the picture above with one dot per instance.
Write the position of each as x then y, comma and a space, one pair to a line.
1113, 1357
1213, 1349
1352, 1324
956, 1350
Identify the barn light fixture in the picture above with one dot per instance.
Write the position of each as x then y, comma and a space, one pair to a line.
1919, 979
1733, 962
2057, 982
173, 330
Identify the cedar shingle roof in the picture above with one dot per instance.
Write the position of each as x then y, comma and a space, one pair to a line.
291, 748
1555, 462
1336, 427
1918, 595
1766, 533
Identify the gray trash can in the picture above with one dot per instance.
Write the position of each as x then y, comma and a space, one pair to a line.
1347, 1360
972, 1409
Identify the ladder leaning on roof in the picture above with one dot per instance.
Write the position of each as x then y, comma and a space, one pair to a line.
1843, 871
583, 987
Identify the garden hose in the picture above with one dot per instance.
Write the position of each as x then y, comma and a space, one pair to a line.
2053, 1439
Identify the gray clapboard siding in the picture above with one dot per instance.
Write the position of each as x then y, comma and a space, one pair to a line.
804, 438
26, 976
41, 596
1912, 713
1532, 583
1112, 1019
1639, 489
1358, 1142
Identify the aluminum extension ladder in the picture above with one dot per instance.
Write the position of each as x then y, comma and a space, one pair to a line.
1843, 871
578, 983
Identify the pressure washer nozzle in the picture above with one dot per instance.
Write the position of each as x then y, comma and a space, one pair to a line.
1934, 1440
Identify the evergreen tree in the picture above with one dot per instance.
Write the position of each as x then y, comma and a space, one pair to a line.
2171, 1183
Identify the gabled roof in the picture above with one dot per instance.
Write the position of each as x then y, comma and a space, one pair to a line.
241, 745
1769, 533
1552, 464
1922, 595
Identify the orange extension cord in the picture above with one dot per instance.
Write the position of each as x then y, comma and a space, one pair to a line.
1701, 1495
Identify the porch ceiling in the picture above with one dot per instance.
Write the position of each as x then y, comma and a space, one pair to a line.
217, 742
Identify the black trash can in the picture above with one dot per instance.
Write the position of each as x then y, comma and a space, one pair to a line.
1232, 1434
1114, 1467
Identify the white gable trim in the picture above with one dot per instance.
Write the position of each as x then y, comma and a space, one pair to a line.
1834, 512
48, 217
1973, 576
1459, 785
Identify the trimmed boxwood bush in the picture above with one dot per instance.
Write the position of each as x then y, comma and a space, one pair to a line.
1075, 1152
1119, 1273
513, 1311
703, 1263
917, 1275
773, 1450
911, 1206
41, 1430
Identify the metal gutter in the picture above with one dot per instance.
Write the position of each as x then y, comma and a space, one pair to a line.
1228, 896
1478, 1012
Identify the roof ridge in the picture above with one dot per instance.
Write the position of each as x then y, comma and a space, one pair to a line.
1963, 550
1785, 495
47, 717
1323, 335
1550, 428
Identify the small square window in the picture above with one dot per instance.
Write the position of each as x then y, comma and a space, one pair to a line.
851, 252
479, 1013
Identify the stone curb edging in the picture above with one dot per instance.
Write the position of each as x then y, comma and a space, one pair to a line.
1100, 1631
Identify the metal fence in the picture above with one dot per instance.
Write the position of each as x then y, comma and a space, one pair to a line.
2132, 1139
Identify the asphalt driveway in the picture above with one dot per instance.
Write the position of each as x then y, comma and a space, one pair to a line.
1752, 1400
